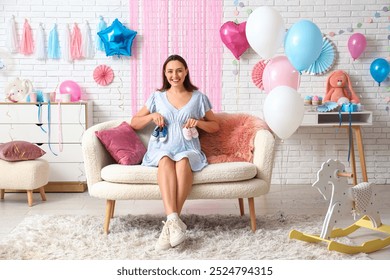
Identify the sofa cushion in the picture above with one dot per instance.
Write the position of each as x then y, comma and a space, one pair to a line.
213, 173
123, 144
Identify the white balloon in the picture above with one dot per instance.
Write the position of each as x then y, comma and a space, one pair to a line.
283, 111
265, 31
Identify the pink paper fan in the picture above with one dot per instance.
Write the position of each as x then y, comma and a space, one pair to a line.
257, 74
103, 75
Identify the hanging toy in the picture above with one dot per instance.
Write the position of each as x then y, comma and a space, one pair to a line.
53, 47
12, 42
87, 49
40, 52
27, 43
98, 42
66, 44
75, 43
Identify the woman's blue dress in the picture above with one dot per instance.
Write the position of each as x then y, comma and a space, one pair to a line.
176, 146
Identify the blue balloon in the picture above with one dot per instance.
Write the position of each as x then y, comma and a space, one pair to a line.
117, 39
379, 70
303, 44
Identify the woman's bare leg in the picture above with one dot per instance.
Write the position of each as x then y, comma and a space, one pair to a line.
166, 178
184, 179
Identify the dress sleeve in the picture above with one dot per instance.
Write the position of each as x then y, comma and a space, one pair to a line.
151, 103
205, 105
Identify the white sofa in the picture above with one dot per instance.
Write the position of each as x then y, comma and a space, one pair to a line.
229, 180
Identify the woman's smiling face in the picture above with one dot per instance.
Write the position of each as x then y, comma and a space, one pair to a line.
175, 73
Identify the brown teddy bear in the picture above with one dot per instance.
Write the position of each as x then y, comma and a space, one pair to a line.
336, 88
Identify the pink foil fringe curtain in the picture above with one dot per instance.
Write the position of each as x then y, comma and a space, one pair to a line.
187, 28
134, 9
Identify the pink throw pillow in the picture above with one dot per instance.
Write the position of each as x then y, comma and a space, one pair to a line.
123, 144
20, 150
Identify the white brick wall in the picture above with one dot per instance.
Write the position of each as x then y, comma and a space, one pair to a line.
299, 157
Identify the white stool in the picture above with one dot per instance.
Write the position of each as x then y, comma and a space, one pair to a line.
24, 175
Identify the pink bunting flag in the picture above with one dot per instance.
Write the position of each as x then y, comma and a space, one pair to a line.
75, 43
27, 43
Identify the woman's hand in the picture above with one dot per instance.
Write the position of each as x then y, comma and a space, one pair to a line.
158, 119
191, 123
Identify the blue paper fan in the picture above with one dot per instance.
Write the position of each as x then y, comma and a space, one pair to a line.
326, 59
327, 106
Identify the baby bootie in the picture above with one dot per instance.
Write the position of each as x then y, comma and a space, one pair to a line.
155, 134
194, 132
163, 135
187, 133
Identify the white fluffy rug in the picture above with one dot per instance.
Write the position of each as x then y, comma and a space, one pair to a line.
133, 237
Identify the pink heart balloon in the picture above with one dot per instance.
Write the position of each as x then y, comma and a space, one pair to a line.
234, 37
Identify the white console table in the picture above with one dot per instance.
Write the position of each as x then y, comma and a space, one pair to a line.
358, 119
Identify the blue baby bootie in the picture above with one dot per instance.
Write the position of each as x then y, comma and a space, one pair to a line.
163, 135
155, 134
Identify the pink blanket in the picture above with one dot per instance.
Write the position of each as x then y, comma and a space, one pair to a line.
234, 140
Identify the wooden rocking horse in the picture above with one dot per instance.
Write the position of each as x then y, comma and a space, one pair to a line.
332, 182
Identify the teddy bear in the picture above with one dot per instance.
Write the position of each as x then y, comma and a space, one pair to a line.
336, 88
18, 90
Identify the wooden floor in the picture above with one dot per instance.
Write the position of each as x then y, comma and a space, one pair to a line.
286, 199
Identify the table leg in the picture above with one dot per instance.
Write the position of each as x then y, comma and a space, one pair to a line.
353, 162
359, 142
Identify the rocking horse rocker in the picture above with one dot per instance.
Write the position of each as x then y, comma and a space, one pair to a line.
332, 181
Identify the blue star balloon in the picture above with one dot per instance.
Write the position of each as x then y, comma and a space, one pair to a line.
117, 39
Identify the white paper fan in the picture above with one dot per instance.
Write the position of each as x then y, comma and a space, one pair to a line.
326, 59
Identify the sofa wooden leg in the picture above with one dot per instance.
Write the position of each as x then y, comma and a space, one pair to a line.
30, 197
241, 204
2, 191
43, 194
113, 209
251, 203
110, 205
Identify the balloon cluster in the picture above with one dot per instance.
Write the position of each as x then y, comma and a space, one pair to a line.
265, 32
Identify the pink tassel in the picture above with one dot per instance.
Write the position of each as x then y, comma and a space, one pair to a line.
27, 43
75, 43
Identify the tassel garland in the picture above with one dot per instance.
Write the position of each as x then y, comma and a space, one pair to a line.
66, 44
87, 49
12, 42
40, 52
27, 43
53, 48
75, 43
98, 41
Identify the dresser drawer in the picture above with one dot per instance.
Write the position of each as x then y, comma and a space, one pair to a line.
32, 113
69, 153
67, 172
71, 133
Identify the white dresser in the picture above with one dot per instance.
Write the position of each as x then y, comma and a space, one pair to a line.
58, 130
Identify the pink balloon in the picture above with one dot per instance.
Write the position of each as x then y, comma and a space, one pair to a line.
72, 88
280, 72
356, 45
234, 37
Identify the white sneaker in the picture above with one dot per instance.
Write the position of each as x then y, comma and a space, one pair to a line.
163, 242
176, 234
182, 225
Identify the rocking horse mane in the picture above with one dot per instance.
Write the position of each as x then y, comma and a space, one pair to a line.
327, 175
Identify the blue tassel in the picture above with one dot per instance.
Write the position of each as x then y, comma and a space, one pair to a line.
101, 26
53, 48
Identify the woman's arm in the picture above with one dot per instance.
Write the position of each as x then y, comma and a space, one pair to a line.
144, 117
208, 123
